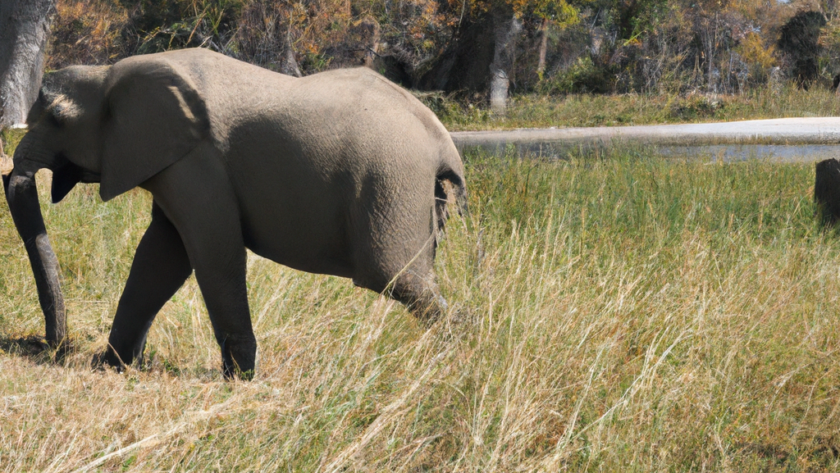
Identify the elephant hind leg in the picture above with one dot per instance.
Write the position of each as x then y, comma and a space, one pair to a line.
418, 291
394, 246
421, 295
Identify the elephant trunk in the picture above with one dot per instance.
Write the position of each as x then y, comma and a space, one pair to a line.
22, 196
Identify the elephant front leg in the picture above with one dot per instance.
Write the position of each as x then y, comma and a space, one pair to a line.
220, 267
197, 198
160, 267
227, 303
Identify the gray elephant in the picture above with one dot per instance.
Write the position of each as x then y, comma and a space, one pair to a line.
338, 173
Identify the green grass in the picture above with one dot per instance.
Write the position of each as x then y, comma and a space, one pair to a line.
535, 111
10, 139
619, 312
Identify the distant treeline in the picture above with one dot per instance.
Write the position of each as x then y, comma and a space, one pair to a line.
476, 48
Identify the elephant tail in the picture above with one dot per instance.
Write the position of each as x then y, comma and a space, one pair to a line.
455, 190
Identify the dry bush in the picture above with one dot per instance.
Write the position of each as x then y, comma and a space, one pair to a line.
87, 32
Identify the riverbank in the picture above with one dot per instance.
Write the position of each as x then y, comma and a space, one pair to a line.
585, 110
786, 139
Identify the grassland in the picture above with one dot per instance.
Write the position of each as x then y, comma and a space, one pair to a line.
540, 111
619, 312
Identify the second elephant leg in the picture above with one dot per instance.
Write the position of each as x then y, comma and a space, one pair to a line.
159, 269
196, 195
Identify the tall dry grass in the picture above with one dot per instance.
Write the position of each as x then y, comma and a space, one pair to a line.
620, 313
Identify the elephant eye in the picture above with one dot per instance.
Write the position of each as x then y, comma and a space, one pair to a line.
54, 120
61, 111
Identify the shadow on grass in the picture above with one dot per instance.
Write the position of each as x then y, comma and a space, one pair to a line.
822, 450
36, 349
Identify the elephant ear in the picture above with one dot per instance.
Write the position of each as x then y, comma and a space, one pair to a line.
155, 117
65, 178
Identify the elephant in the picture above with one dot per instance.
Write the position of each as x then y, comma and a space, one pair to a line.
340, 172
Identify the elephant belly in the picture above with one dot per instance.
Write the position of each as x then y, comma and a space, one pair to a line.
297, 248
294, 217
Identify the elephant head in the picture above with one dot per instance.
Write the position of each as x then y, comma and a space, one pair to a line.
85, 118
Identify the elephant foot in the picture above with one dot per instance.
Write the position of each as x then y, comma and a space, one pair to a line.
422, 298
239, 357
107, 359
417, 292
429, 310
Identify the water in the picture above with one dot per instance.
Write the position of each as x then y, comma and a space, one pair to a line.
778, 153
712, 153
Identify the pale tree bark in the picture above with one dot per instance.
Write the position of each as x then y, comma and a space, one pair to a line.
709, 35
505, 31
288, 63
24, 30
543, 47
372, 40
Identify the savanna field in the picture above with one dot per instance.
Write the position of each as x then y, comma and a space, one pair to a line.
609, 312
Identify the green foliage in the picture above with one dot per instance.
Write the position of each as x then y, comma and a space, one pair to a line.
10, 139
560, 12
455, 112
759, 57
593, 46
800, 41
634, 20
584, 76
829, 47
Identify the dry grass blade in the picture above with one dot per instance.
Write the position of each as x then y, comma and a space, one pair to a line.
386, 416
156, 439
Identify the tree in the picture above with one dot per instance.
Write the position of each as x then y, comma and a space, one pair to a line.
481, 55
24, 30
800, 42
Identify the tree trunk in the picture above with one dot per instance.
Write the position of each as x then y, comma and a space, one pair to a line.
24, 30
505, 30
463, 65
543, 48
478, 59
711, 85
288, 63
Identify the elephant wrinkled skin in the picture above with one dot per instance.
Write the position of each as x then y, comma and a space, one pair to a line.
338, 173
